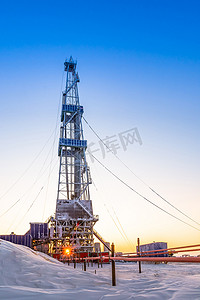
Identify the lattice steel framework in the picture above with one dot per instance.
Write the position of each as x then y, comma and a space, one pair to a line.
74, 219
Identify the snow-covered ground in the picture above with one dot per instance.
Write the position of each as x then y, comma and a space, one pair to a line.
25, 274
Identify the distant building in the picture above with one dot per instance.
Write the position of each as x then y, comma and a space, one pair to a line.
153, 246
97, 247
118, 253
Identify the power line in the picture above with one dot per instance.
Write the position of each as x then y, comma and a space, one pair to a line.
27, 190
30, 207
138, 176
173, 206
121, 232
58, 111
122, 228
24, 195
10, 208
26, 170
140, 195
53, 132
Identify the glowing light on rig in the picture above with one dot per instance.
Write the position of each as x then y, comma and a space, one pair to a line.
67, 251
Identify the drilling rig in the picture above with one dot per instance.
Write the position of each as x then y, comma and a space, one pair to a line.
73, 223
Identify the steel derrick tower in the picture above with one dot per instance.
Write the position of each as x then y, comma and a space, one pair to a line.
74, 219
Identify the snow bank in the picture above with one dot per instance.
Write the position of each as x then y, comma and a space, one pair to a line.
26, 274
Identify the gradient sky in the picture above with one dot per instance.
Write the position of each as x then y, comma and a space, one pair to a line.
139, 66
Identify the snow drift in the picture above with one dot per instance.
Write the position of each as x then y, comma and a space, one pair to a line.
26, 274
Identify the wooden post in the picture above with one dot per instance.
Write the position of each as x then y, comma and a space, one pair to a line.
113, 265
84, 265
138, 242
101, 262
74, 261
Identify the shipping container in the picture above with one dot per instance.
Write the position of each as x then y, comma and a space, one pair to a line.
39, 231
24, 240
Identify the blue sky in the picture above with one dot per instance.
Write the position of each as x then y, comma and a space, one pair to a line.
139, 66
167, 28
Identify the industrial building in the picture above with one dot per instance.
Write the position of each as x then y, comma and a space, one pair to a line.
152, 247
